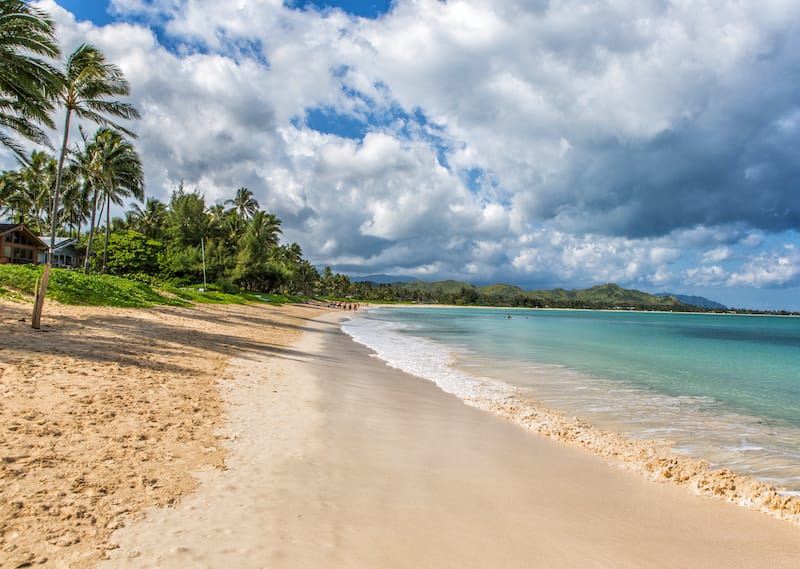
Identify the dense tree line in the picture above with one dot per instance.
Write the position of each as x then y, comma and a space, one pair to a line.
103, 170
456, 293
187, 242
403, 293
234, 244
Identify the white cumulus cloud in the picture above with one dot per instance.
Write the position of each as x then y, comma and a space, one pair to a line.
645, 143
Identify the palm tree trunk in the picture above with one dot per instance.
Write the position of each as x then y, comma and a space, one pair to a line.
57, 188
108, 231
37, 218
91, 234
38, 303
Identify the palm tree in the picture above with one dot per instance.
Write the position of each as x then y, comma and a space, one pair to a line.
37, 177
76, 199
229, 226
304, 276
244, 204
84, 89
88, 84
149, 220
291, 254
12, 202
28, 85
27, 190
265, 228
112, 169
255, 267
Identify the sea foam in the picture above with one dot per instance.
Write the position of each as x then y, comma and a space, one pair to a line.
654, 457
423, 358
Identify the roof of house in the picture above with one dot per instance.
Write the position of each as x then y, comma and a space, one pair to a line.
60, 241
6, 228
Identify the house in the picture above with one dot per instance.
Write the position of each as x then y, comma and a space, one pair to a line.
65, 253
18, 244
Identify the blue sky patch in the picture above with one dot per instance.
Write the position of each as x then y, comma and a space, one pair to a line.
475, 179
95, 11
371, 9
370, 116
329, 121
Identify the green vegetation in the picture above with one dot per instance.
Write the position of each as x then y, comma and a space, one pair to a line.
28, 83
231, 247
609, 296
72, 287
141, 290
602, 297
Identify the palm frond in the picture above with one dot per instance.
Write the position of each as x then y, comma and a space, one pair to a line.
28, 84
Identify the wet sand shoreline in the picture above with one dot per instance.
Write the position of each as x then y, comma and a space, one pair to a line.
345, 462
479, 384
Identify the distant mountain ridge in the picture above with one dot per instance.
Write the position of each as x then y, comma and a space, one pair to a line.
700, 301
383, 279
607, 296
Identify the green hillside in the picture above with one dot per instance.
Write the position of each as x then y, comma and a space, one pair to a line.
439, 287
607, 296
501, 291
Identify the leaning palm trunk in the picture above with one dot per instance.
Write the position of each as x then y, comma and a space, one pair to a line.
38, 303
85, 87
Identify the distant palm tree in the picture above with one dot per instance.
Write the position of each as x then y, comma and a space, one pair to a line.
254, 267
304, 276
125, 176
291, 254
150, 219
12, 200
88, 84
265, 228
217, 213
244, 204
28, 85
113, 171
75, 199
38, 177
27, 190
76, 206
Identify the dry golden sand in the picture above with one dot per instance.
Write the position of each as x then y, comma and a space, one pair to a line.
106, 412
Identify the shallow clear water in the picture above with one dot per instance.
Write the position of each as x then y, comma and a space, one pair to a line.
724, 388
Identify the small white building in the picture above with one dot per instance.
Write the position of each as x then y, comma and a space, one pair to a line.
65, 253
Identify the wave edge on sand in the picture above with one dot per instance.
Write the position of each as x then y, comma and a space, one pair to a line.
653, 459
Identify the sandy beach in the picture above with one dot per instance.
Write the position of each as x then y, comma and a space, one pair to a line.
106, 412
259, 436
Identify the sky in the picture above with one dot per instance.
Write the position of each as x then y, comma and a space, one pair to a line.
560, 143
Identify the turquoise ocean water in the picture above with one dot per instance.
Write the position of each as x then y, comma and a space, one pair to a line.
723, 388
